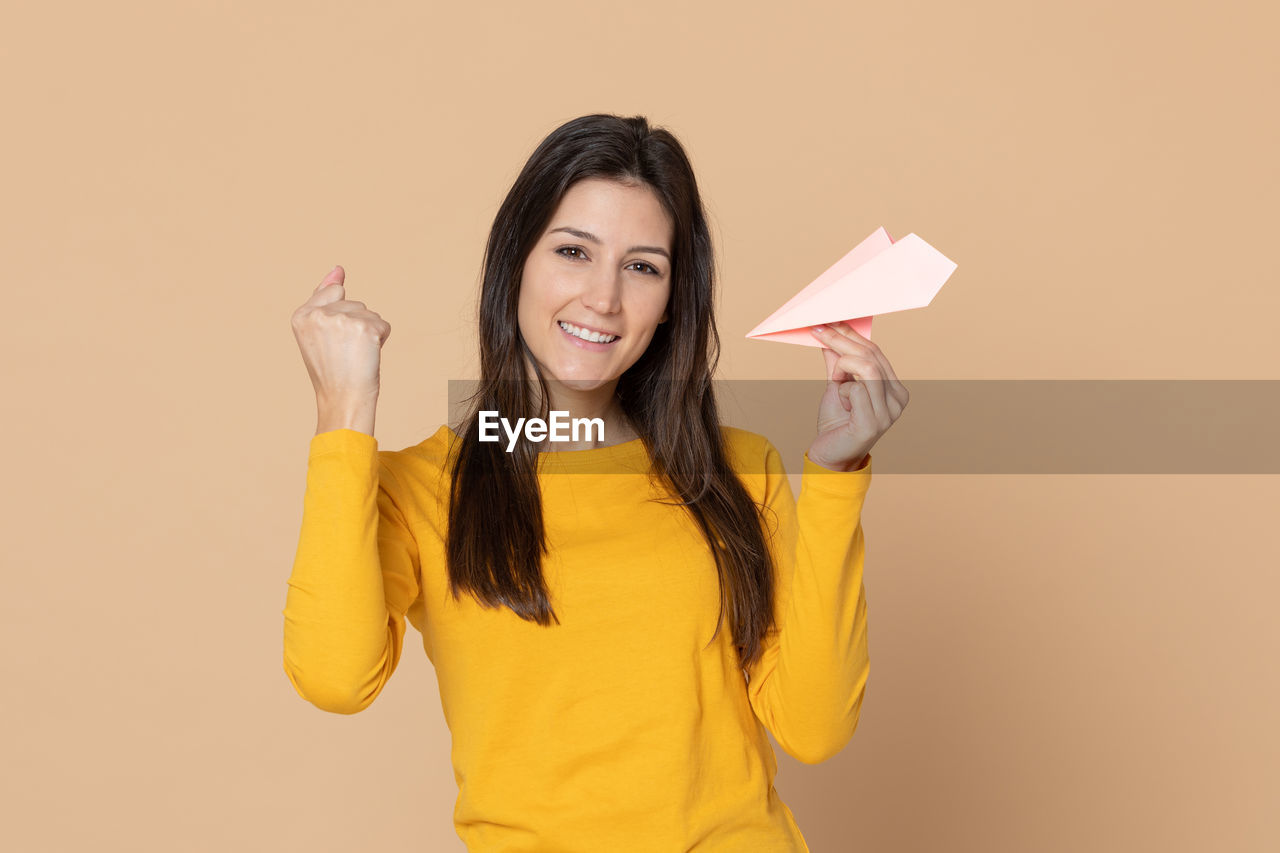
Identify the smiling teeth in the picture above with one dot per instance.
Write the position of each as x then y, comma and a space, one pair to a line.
594, 337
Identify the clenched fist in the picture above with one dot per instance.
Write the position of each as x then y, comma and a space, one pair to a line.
341, 343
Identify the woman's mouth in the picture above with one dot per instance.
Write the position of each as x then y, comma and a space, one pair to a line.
586, 338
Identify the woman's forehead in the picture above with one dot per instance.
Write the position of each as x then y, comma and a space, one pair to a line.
613, 212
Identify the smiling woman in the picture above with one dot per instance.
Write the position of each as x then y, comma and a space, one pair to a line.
617, 628
587, 317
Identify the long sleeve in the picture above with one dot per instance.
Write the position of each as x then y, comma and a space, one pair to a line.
807, 687
355, 574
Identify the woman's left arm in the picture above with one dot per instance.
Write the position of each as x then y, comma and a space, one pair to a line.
808, 684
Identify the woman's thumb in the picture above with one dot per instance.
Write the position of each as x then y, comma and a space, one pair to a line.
336, 276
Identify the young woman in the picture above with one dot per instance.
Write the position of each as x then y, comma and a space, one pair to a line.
614, 621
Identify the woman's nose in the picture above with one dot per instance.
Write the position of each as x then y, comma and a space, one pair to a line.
603, 291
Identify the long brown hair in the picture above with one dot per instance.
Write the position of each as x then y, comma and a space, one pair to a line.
666, 395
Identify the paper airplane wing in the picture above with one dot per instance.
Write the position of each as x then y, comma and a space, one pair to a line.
878, 276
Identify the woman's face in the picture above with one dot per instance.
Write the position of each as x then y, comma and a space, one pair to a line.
602, 267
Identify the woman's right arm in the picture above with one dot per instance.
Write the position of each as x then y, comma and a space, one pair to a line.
356, 572
357, 568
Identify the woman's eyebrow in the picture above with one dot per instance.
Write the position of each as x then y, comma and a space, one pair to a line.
588, 236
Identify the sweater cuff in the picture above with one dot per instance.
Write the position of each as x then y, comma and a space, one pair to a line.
342, 441
840, 483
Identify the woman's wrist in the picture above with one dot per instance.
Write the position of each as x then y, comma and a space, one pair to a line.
843, 469
356, 416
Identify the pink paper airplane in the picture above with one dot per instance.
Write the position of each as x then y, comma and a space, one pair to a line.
878, 276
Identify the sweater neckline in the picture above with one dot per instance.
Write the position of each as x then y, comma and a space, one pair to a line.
624, 457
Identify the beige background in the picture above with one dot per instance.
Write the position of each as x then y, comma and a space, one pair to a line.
1061, 663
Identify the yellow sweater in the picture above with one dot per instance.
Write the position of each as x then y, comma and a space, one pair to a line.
620, 729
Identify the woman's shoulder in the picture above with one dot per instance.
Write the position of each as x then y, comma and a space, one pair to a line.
433, 450
421, 468
747, 450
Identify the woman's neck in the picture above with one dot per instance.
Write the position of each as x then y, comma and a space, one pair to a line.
602, 403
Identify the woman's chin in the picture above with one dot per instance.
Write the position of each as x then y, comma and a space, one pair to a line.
582, 384
585, 384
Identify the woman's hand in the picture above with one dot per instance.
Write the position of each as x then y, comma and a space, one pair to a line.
341, 343
862, 400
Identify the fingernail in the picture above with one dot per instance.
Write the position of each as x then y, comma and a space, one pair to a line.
819, 328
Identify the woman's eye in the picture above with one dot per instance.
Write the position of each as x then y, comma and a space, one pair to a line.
650, 269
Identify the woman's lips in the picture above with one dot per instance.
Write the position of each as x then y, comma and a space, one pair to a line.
590, 346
